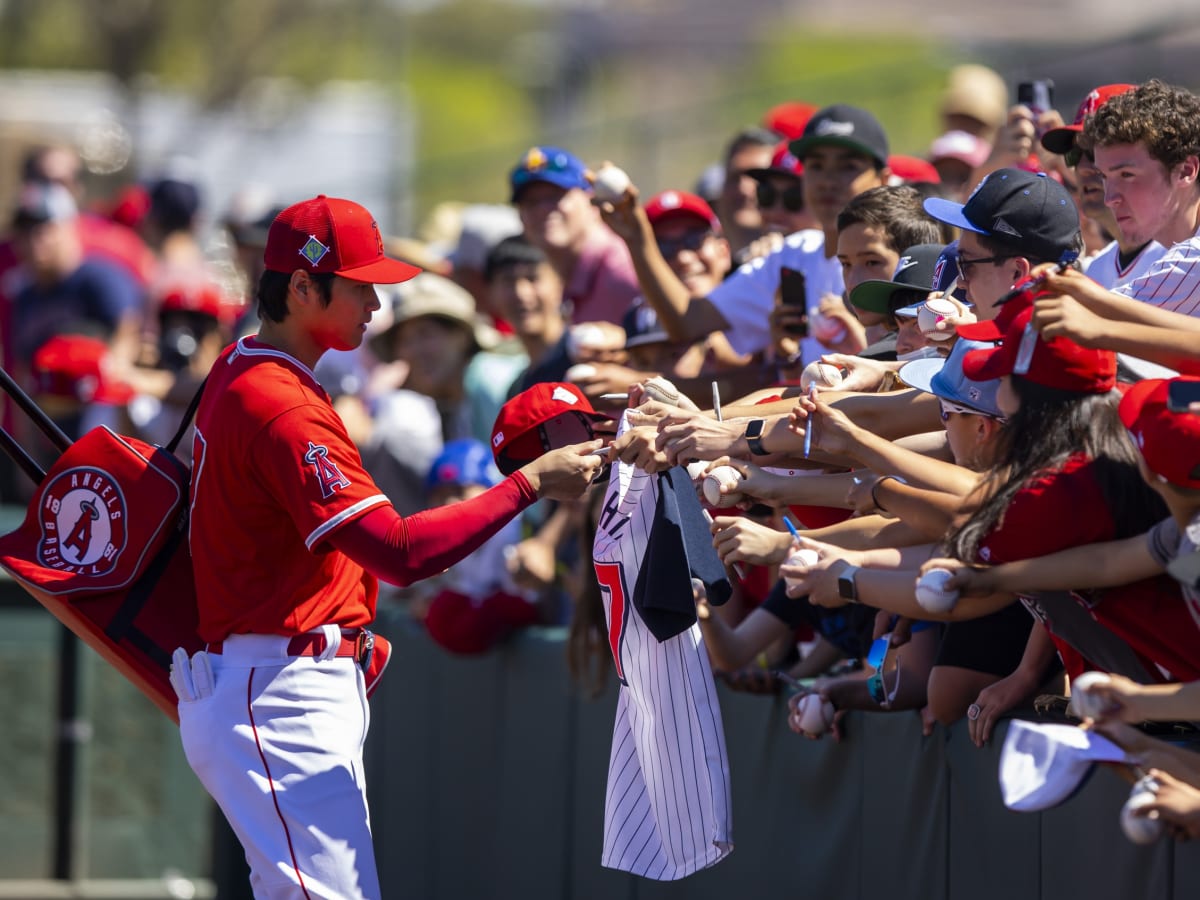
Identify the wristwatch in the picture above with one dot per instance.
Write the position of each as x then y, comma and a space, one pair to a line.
847, 589
754, 430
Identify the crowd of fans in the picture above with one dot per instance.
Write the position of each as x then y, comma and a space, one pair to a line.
968, 360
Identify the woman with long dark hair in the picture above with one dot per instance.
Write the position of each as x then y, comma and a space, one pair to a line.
1062, 473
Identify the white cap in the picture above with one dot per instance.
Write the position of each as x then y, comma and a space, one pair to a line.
1042, 765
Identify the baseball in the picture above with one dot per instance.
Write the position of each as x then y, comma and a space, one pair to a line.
931, 591
587, 336
610, 183
1084, 704
1141, 829
823, 375
721, 476
579, 372
802, 557
816, 714
932, 312
826, 329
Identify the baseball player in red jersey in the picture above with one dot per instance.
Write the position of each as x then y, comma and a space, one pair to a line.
288, 536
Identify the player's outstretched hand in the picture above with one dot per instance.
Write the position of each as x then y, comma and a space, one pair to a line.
565, 473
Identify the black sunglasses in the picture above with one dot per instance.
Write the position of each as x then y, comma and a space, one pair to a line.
1075, 154
791, 196
693, 241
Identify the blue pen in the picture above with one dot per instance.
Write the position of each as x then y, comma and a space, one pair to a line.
791, 527
808, 425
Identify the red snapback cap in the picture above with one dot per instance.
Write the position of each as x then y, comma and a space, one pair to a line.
680, 204
1168, 441
1060, 140
546, 416
73, 366
331, 235
1058, 363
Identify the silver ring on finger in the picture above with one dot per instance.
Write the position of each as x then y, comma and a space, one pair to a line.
973, 711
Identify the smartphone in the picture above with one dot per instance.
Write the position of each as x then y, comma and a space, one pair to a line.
1181, 394
793, 291
1037, 95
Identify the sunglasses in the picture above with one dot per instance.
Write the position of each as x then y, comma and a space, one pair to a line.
1075, 154
966, 265
877, 658
768, 196
693, 241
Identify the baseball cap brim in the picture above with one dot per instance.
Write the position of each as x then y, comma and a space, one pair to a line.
919, 373
981, 331
984, 365
951, 213
1060, 140
801, 146
876, 296
760, 174
1042, 765
381, 271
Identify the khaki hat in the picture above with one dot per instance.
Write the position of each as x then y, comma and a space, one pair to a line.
427, 295
978, 92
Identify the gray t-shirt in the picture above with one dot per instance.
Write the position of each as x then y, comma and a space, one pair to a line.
1166, 542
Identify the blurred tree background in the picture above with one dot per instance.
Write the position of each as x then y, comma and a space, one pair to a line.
656, 86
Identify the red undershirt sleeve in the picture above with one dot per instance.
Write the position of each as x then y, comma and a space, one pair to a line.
401, 550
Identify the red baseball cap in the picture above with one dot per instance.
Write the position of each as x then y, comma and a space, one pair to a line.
913, 170
1021, 298
680, 204
1168, 441
72, 366
201, 297
1060, 140
1058, 363
546, 416
330, 235
789, 118
783, 162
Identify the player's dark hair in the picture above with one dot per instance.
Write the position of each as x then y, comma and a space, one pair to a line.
897, 211
1050, 427
1165, 118
512, 251
273, 289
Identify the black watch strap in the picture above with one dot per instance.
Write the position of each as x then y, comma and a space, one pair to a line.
754, 430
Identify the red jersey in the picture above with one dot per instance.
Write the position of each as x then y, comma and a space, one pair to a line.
274, 474
1066, 509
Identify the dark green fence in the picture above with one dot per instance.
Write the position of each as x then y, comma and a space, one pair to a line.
487, 781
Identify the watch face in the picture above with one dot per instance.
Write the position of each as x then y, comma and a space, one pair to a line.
846, 586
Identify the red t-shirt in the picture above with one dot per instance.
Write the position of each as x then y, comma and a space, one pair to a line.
1066, 509
274, 474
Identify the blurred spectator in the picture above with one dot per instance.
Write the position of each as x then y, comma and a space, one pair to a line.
483, 227
525, 290
66, 292
737, 204
430, 326
779, 192
476, 603
956, 155
975, 101
552, 193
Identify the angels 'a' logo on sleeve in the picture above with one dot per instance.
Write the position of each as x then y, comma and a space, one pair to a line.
329, 476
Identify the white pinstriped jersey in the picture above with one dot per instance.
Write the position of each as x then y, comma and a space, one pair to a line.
667, 813
1105, 267
1173, 282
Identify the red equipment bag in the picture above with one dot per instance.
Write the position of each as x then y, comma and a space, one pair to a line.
104, 548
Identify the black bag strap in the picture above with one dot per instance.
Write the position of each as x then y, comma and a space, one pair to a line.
187, 417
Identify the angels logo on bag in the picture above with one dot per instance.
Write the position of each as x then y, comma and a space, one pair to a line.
83, 519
